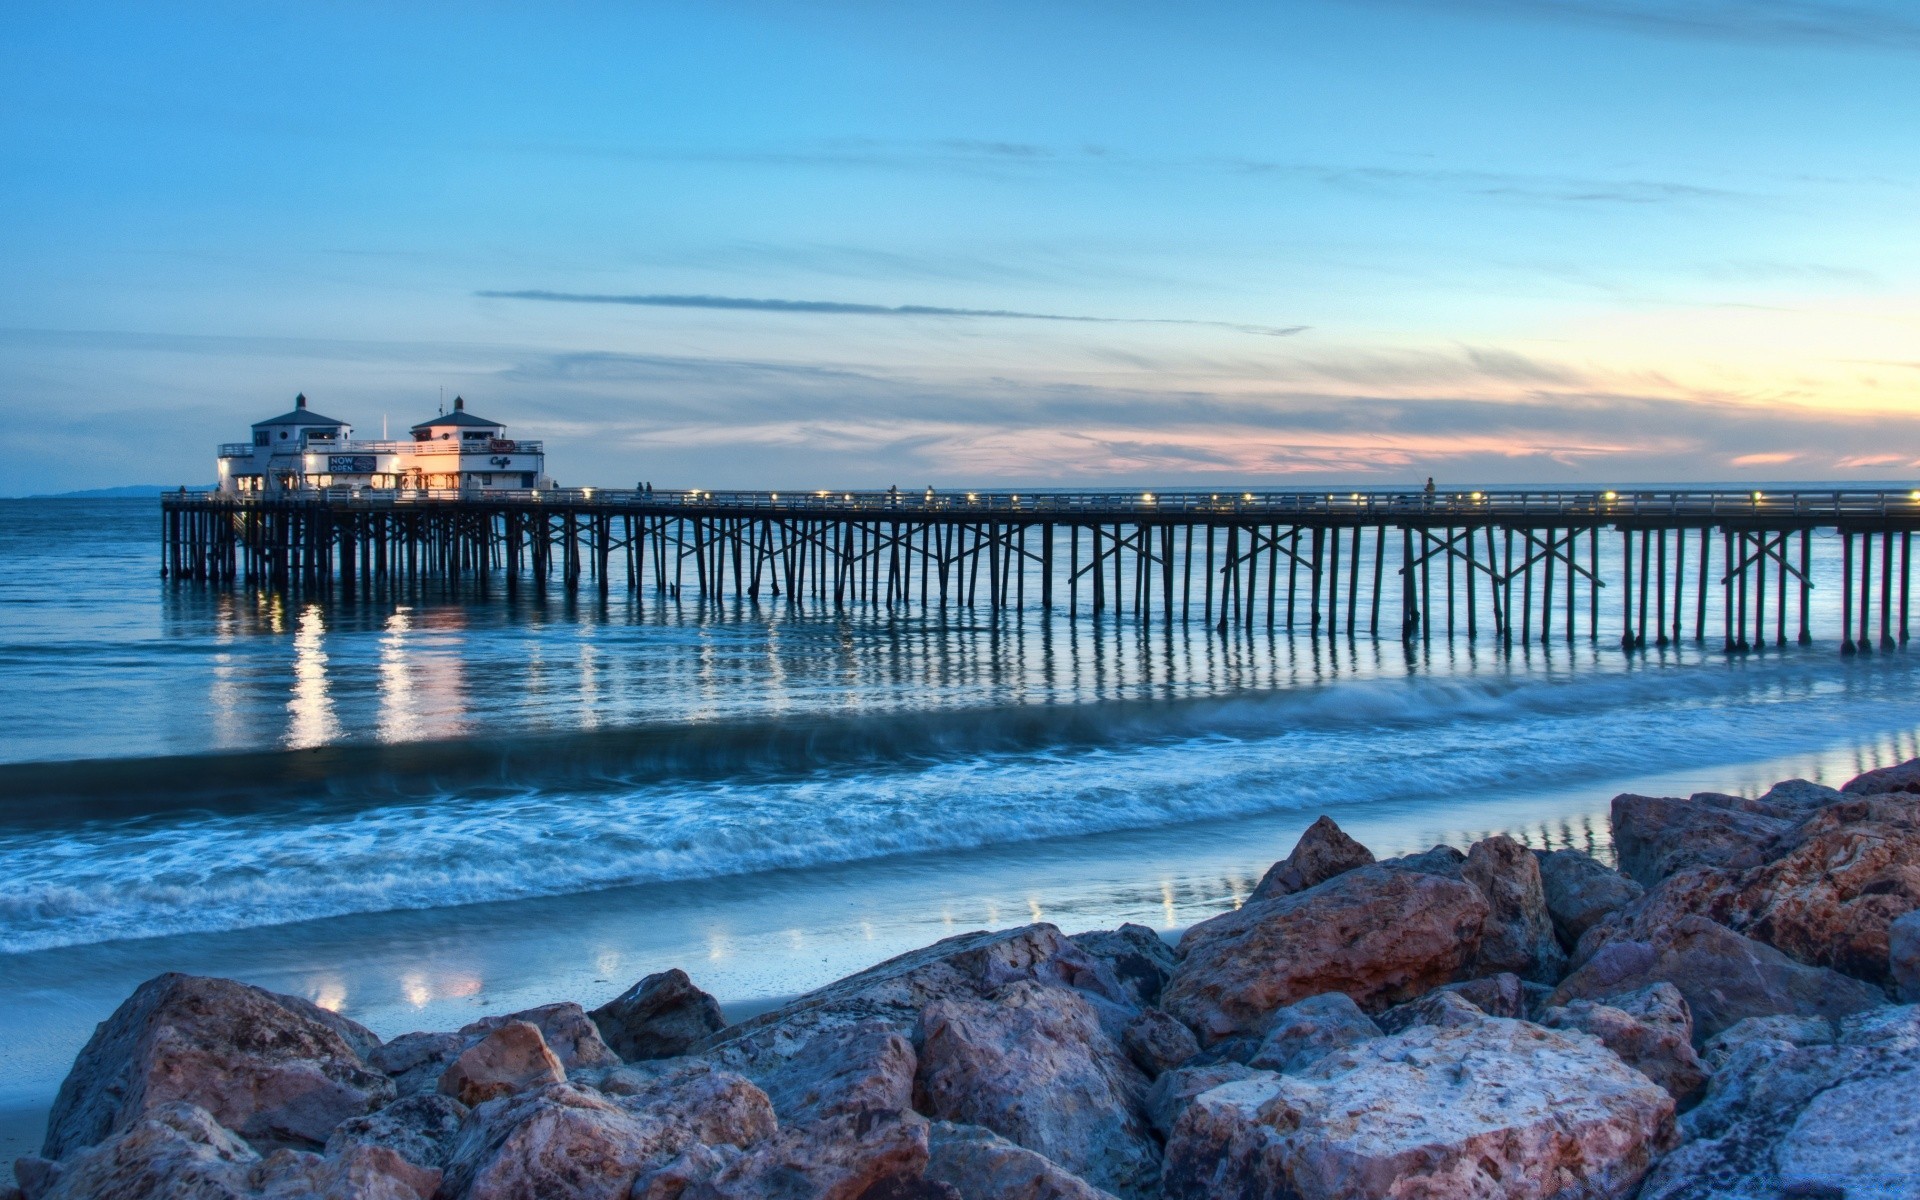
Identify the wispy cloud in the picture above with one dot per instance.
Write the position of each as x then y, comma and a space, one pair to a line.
1887, 26
845, 308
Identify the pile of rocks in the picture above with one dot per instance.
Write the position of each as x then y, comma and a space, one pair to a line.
1730, 1015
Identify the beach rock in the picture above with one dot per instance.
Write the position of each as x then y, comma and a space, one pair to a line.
662, 1016
1438, 1007
1896, 779
512, 1058
1305, 1032
864, 1068
1322, 852
1172, 1092
1650, 1029
1034, 1065
1654, 836
1138, 957
1724, 977
1581, 891
563, 1142
1158, 1042
415, 1061
969, 966
177, 1151
979, 1164
1495, 1108
1378, 934
1517, 936
1799, 797
419, 1129
1443, 861
1692, 891
1903, 956
258, 1062
1502, 995
1834, 886
565, 1028
875, 1157
1834, 1117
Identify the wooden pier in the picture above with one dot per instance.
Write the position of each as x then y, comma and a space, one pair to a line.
1518, 566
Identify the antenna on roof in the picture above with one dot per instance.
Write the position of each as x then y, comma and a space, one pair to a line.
300, 401
459, 405
443, 399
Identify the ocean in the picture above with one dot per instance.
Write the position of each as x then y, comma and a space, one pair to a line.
415, 808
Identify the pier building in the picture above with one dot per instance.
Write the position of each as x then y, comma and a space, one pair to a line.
303, 451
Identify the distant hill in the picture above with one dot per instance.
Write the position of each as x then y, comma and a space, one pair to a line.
112, 493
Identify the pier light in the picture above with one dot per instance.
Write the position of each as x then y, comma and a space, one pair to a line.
586, 493
971, 497
776, 497
1476, 495
1249, 496
1355, 496
1611, 496
1759, 496
1913, 496
1147, 497
849, 496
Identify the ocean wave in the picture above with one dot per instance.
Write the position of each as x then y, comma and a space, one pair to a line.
771, 794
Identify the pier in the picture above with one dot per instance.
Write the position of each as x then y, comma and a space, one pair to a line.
1638, 567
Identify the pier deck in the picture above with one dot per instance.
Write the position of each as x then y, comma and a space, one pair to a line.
1329, 562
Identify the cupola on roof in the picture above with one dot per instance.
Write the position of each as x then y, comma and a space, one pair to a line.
459, 416
301, 415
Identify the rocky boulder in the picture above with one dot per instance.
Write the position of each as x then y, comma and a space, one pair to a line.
419, 1129
981, 1165
660, 1017
1651, 1029
1904, 778
1322, 852
1378, 934
1805, 1116
867, 1067
1724, 977
512, 1058
1157, 1042
1495, 1108
1138, 957
177, 1151
1303, 1033
1654, 836
415, 1061
1581, 891
1034, 1065
878, 1157
1172, 1092
263, 1065
1903, 956
565, 1028
1438, 1007
1517, 936
1444, 861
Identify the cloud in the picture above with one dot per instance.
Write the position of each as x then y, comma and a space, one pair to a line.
843, 308
1789, 22
1770, 458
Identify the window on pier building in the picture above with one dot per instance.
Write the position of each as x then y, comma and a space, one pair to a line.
262, 438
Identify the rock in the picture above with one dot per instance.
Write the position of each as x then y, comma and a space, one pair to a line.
1496, 1108
1792, 1030
416, 1061
1503, 995
1654, 836
512, 1058
260, 1065
565, 1028
1839, 1117
879, 1157
1157, 1042
1800, 796
982, 1165
1444, 861
1139, 958
967, 966
1650, 1029
1694, 891
1172, 1092
1379, 934
419, 1129
1581, 891
1834, 885
660, 1017
1303, 1033
1517, 936
1723, 976
850, 1070
1033, 1065
562, 1142
1903, 956
1897, 779
177, 1151
1322, 852
1439, 1007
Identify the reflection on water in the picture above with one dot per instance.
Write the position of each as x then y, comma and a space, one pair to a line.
311, 707
399, 721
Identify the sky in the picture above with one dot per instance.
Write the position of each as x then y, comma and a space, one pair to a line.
1283, 244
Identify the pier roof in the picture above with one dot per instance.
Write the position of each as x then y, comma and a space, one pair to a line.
301, 415
459, 416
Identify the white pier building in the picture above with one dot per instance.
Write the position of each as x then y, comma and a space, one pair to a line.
304, 451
